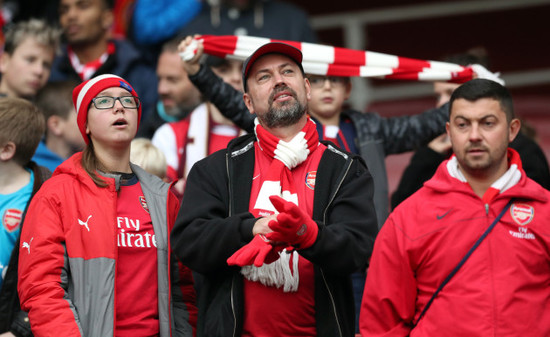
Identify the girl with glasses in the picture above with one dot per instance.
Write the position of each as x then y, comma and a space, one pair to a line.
95, 256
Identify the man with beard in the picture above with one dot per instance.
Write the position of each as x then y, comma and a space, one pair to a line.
276, 249
177, 95
427, 158
473, 243
204, 130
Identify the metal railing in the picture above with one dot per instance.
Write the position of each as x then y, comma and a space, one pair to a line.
354, 26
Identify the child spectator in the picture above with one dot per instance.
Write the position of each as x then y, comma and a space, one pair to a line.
95, 257
146, 155
21, 126
62, 138
27, 59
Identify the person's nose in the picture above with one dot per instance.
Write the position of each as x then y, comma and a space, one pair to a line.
118, 105
327, 84
38, 68
475, 133
163, 88
71, 12
278, 78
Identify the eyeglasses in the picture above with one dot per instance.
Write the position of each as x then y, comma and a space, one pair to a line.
107, 102
319, 82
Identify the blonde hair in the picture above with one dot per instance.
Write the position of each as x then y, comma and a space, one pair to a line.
35, 28
143, 153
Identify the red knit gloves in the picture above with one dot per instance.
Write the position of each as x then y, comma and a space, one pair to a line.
257, 252
293, 226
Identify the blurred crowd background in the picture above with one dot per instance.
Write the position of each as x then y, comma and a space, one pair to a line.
511, 33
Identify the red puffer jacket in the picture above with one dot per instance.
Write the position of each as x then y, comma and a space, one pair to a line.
68, 257
503, 289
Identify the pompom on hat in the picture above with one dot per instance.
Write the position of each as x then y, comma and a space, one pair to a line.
86, 91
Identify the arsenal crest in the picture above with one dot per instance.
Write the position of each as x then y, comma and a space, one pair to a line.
522, 213
310, 179
12, 219
143, 203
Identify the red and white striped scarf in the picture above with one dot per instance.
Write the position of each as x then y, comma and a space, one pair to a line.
87, 70
334, 61
508, 179
278, 181
286, 156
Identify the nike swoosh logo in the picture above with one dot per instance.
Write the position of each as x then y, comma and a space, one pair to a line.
439, 217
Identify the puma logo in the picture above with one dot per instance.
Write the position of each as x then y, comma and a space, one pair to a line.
85, 224
27, 245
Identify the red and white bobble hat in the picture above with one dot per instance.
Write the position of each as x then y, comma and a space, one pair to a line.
86, 91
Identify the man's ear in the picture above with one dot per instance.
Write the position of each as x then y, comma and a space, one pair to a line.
514, 129
248, 102
4, 62
54, 125
7, 151
308, 88
348, 89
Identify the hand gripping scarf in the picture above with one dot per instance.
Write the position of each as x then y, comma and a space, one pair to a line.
334, 61
278, 181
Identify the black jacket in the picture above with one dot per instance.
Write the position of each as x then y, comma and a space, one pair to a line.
376, 136
214, 222
11, 317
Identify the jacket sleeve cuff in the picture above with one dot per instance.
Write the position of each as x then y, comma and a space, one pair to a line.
21, 326
246, 229
199, 77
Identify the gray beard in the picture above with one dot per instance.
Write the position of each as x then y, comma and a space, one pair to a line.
284, 116
179, 112
288, 114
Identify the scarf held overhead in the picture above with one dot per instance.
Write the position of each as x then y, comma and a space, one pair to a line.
335, 61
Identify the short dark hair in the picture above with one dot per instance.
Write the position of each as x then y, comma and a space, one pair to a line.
478, 88
110, 4
476, 55
171, 45
22, 123
55, 99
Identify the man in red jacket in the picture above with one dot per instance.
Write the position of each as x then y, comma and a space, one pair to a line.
502, 288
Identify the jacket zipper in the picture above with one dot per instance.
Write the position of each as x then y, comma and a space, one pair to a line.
322, 273
230, 211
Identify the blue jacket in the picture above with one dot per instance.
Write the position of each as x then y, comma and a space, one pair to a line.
43, 156
271, 19
12, 318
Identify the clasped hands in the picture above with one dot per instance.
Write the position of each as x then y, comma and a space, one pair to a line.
292, 228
